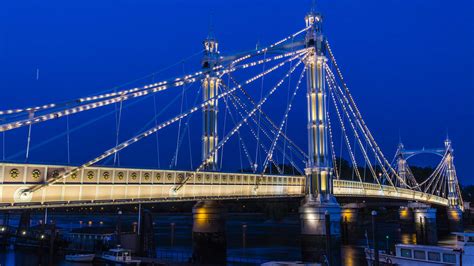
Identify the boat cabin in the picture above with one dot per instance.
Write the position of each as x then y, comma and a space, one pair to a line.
465, 242
118, 254
434, 254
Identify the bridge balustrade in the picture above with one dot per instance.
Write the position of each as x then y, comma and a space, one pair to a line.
359, 189
105, 184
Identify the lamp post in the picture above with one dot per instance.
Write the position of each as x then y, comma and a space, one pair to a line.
327, 218
374, 239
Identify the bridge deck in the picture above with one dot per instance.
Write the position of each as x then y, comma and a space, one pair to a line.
105, 185
118, 185
346, 188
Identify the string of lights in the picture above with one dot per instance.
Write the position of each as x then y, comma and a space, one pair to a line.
348, 144
233, 101
283, 122
241, 141
373, 145
151, 131
332, 86
234, 130
268, 119
265, 132
271, 46
365, 130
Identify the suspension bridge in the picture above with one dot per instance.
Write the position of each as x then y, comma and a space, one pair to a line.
238, 87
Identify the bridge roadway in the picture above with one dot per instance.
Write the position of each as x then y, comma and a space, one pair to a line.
108, 186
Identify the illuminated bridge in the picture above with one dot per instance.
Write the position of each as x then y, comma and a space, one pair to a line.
240, 88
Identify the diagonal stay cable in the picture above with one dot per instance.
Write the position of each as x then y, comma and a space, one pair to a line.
252, 131
235, 99
283, 122
152, 130
265, 115
234, 130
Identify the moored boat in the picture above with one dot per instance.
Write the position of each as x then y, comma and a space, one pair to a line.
119, 256
80, 257
423, 255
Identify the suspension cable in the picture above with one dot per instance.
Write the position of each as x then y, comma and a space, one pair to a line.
376, 149
28, 140
260, 103
236, 99
145, 134
181, 137
283, 122
117, 132
348, 144
267, 117
365, 130
259, 118
68, 141
332, 86
241, 141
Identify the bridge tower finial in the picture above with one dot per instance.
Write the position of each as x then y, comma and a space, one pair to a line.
447, 142
210, 88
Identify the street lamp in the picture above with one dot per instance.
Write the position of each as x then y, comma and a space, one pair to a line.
376, 250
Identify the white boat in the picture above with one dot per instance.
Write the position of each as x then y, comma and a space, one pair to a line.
288, 263
119, 256
80, 257
423, 255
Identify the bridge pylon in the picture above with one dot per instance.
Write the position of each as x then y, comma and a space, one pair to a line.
402, 167
210, 89
321, 238
455, 203
209, 234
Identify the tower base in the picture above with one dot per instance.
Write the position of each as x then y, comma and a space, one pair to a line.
455, 219
209, 236
425, 226
316, 244
406, 219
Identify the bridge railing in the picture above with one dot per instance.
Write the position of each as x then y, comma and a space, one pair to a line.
355, 189
129, 184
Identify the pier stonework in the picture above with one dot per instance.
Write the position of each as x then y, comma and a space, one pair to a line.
406, 219
425, 226
318, 242
209, 235
350, 221
455, 219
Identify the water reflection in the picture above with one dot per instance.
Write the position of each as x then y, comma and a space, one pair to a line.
259, 241
407, 238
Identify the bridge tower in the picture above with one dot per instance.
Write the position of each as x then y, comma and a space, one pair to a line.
402, 166
455, 207
319, 203
210, 89
209, 235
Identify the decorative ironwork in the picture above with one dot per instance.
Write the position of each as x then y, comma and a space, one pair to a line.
90, 175
14, 173
36, 173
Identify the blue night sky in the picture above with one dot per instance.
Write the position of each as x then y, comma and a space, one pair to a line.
409, 65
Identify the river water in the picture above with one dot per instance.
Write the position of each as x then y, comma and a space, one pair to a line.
262, 240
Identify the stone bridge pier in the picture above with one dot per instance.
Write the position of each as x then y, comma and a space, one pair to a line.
455, 219
209, 235
350, 221
424, 218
